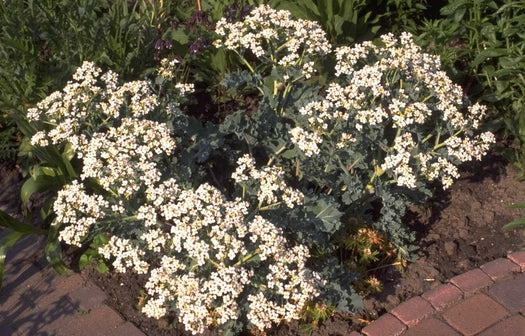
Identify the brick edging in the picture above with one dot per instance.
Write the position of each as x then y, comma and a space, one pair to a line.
436, 300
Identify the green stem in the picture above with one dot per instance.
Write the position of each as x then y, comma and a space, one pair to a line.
269, 206
247, 257
279, 151
384, 266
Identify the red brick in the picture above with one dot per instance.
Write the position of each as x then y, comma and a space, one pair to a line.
510, 293
55, 287
471, 281
412, 311
500, 268
88, 296
518, 258
475, 314
28, 318
386, 325
5, 330
13, 285
514, 325
99, 321
28, 250
443, 296
431, 327
129, 329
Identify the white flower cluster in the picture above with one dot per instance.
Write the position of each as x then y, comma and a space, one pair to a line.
78, 211
466, 149
86, 102
404, 58
126, 254
441, 169
399, 162
267, 31
166, 68
203, 229
270, 180
306, 141
123, 158
209, 253
296, 285
373, 93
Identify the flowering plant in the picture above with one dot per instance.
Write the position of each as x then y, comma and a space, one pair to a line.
234, 240
390, 121
213, 261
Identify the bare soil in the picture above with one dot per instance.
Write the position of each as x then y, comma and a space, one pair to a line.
459, 230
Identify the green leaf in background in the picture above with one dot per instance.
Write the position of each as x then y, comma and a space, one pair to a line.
12, 223
5, 245
53, 250
39, 184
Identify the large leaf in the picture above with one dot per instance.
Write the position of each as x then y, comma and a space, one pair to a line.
40, 183
12, 223
325, 210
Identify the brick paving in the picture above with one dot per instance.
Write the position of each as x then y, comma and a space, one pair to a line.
487, 301
35, 301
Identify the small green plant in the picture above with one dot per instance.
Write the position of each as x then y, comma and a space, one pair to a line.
520, 223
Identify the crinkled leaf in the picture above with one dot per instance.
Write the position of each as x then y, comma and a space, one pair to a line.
327, 212
239, 79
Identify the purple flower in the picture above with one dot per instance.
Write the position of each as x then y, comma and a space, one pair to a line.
195, 47
159, 45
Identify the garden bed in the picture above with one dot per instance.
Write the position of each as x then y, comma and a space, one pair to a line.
458, 231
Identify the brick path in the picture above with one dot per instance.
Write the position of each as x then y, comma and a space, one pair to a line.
35, 301
487, 301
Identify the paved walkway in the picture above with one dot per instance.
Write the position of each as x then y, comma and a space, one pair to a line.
487, 301
35, 301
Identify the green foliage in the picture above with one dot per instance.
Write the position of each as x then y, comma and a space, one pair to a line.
396, 16
42, 41
344, 21
520, 223
8, 140
482, 44
91, 255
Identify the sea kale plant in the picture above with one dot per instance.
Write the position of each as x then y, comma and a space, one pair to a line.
214, 260
236, 225
374, 138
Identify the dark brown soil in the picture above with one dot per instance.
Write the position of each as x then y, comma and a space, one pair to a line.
458, 231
